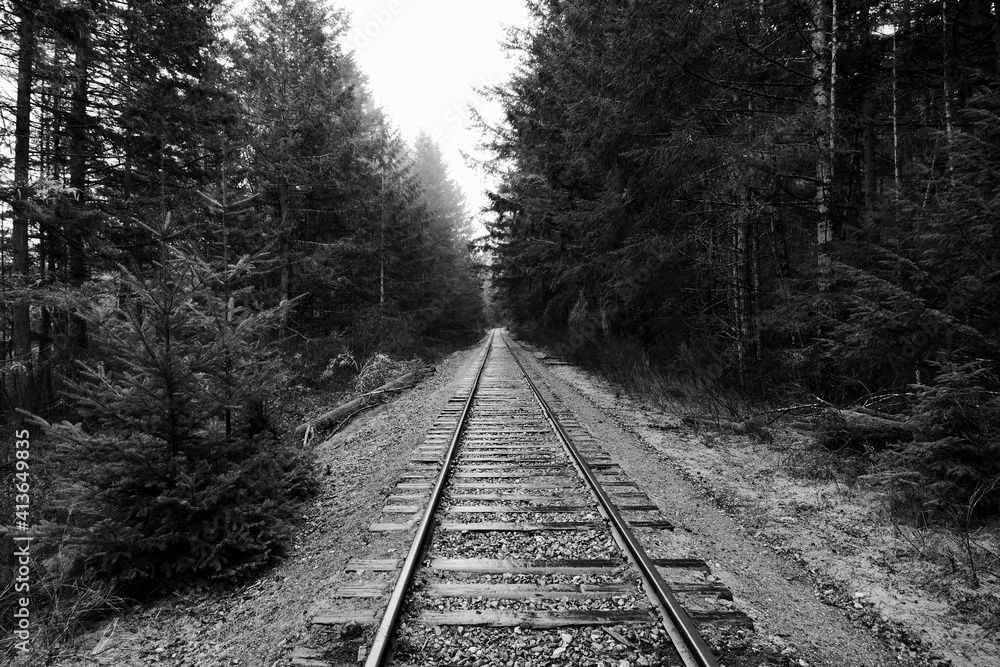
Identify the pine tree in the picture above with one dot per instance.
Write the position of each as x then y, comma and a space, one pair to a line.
157, 488
303, 119
954, 459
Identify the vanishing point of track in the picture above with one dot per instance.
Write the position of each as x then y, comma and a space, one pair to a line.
523, 525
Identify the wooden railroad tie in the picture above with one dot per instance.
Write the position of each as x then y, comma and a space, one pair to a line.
535, 619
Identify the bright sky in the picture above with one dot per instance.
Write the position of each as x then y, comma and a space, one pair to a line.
424, 58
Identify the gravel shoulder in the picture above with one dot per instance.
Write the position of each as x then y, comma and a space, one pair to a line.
807, 556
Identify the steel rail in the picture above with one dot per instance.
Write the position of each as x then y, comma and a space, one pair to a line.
379, 650
691, 646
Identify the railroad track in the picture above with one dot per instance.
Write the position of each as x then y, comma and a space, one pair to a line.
527, 544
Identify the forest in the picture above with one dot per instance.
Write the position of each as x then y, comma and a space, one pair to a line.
204, 212
753, 209
775, 203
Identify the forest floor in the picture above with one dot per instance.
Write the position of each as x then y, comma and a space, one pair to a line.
827, 578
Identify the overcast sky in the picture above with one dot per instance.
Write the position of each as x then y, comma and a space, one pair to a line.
424, 58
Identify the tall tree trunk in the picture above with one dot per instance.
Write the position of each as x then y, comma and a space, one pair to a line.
78, 131
735, 296
739, 278
868, 150
895, 118
43, 380
779, 244
742, 285
285, 249
21, 316
381, 245
996, 34
821, 97
754, 283
946, 92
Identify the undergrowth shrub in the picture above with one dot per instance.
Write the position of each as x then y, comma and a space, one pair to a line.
340, 366
953, 463
376, 372
312, 361
700, 378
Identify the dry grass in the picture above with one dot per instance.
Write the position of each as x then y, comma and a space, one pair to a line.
61, 608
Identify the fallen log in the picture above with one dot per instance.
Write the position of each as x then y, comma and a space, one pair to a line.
405, 380
751, 428
859, 431
367, 400
334, 415
739, 428
874, 413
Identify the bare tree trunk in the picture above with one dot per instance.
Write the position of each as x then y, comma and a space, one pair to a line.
742, 299
779, 244
735, 293
78, 156
43, 380
78, 130
284, 250
381, 246
868, 148
755, 288
946, 91
832, 112
895, 117
21, 315
996, 33
821, 98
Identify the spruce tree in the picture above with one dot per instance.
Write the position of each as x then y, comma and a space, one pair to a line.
160, 487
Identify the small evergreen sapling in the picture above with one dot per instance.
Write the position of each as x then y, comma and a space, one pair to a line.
172, 474
955, 453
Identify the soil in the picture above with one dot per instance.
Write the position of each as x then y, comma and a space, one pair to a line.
827, 579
